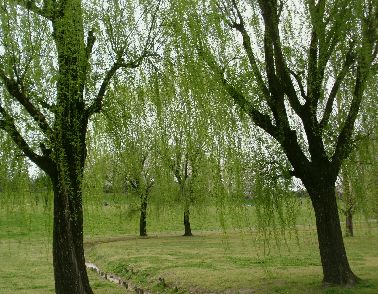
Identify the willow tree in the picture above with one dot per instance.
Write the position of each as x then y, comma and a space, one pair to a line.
49, 69
272, 59
182, 150
184, 131
359, 187
132, 140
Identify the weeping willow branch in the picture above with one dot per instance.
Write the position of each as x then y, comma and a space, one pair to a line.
240, 26
16, 89
260, 119
300, 83
278, 72
91, 39
343, 149
96, 106
45, 11
349, 60
7, 124
365, 60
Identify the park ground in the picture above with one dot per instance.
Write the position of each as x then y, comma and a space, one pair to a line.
228, 258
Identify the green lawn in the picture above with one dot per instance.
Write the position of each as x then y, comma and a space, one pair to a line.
235, 261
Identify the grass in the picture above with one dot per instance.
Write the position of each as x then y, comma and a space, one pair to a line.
26, 267
212, 261
215, 262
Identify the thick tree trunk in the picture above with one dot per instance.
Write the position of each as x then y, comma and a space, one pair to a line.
188, 230
69, 150
68, 253
143, 217
336, 269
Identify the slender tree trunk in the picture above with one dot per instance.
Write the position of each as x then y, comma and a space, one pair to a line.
336, 269
68, 253
349, 222
349, 202
143, 216
188, 230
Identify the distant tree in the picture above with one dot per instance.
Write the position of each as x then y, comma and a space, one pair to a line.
357, 187
53, 78
132, 141
184, 138
41, 184
358, 184
278, 72
184, 165
141, 181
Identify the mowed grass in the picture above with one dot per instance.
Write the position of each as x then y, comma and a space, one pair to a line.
26, 267
234, 262
228, 259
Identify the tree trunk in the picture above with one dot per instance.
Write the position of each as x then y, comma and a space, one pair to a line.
69, 150
349, 223
188, 230
143, 217
349, 203
336, 269
68, 254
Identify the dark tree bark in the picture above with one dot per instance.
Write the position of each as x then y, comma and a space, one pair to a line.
336, 269
187, 228
68, 254
143, 216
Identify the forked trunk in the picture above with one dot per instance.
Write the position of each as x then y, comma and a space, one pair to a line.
188, 230
68, 254
143, 217
336, 269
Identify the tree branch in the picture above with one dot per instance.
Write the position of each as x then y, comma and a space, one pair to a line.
45, 11
343, 148
312, 71
349, 60
96, 106
365, 60
260, 119
239, 26
91, 39
274, 56
15, 88
7, 124
300, 84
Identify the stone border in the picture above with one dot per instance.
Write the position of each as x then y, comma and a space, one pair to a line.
116, 279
